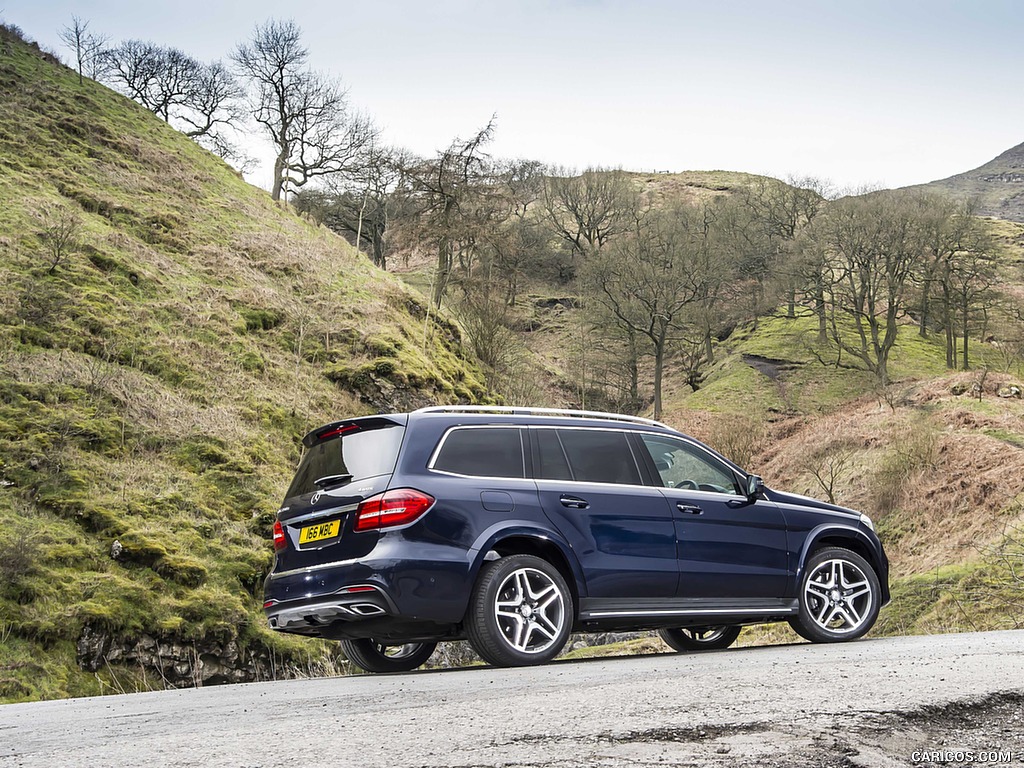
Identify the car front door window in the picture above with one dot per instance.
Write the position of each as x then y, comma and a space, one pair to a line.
681, 465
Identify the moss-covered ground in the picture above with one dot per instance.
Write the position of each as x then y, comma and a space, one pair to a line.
167, 335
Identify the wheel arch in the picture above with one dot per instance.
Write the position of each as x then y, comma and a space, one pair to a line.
849, 538
539, 544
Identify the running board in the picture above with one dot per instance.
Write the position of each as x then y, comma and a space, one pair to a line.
601, 608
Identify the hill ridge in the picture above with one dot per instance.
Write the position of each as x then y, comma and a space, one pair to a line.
998, 185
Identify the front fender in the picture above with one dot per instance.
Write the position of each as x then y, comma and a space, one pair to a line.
856, 539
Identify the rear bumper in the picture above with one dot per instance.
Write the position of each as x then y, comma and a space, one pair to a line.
307, 616
320, 600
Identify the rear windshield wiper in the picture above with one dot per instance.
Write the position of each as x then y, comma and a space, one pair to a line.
329, 481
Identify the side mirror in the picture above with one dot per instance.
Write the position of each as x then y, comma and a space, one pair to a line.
755, 485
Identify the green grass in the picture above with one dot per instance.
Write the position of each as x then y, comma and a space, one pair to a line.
154, 386
809, 381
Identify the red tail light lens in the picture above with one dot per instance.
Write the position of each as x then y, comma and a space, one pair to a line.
280, 540
391, 508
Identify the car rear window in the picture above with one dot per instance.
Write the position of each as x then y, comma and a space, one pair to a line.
482, 452
362, 454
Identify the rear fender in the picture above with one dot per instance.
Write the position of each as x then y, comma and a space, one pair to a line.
493, 539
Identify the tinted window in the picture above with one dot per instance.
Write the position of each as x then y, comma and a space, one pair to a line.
681, 465
483, 452
599, 456
362, 454
553, 464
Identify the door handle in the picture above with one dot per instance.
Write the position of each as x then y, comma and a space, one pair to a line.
574, 502
689, 509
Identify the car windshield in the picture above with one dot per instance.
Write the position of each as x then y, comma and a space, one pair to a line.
361, 454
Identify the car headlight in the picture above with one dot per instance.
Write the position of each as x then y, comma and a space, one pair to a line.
867, 521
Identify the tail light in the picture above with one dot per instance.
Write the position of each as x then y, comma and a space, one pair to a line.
280, 540
400, 506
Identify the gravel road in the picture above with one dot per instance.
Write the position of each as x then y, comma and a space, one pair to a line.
868, 703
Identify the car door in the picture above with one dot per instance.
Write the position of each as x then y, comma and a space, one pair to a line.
621, 530
729, 545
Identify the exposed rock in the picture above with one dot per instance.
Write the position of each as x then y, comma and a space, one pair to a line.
959, 388
1010, 390
177, 663
563, 302
116, 549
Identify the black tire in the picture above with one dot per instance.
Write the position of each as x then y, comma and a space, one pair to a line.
521, 612
686, 639
839, 597
374, 656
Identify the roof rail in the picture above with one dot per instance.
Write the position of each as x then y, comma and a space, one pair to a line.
529, 411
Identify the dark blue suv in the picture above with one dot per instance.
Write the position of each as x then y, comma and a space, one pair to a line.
514, 527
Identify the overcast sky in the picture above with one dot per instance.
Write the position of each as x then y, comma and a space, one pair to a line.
861, 92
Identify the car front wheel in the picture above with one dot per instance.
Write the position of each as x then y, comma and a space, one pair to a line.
839, 597
699, 638
374, 656
521, 612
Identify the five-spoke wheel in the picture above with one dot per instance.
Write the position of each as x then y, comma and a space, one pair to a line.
839, 597
700, 638
521, 612
375, 656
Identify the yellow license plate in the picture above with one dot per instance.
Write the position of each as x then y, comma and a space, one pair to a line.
319, 532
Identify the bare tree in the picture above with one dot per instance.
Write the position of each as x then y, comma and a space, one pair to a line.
873, 245
305, 114
361, 205
214, 103
652, 280
60, 237
458, 199
779, 211
200, 100
86, 47
589, 209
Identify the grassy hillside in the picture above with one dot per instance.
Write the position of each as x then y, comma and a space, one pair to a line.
937, 460
167, 334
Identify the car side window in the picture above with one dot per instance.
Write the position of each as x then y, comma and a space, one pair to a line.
682, 465
482, 452
599, 456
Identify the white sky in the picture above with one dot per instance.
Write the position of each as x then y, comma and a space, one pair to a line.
879, 92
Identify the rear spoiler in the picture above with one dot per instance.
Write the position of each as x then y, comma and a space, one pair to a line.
359, 424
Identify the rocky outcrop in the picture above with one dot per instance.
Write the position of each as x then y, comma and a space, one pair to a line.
177, 663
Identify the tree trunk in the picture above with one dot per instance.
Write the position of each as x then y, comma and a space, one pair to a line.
659, 361
948, 321
275, 192
444, 266
966, 310
819, 310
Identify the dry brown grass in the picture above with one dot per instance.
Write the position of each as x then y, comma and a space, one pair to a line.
955, 475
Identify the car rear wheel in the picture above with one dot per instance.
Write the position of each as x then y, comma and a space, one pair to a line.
521, 612
839, 597
700, 638
374, 656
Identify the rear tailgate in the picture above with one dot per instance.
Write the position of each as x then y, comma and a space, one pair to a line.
345, 463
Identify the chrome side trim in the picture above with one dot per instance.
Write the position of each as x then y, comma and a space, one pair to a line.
692, 612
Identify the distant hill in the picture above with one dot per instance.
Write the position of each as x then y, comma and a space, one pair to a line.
167, 334
998, 185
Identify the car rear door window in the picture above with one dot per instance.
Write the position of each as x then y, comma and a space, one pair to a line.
599, 456
482, 452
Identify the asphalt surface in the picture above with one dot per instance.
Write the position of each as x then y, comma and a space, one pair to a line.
868, 703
